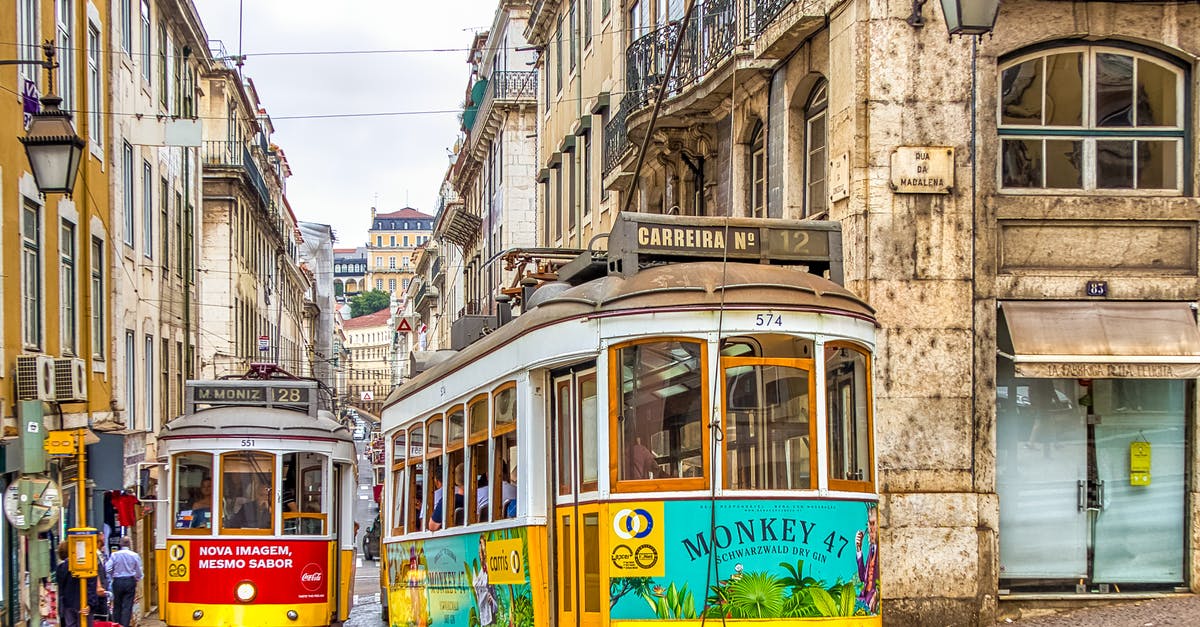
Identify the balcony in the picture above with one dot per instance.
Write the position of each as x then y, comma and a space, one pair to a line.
437, 272
504, 89
236, 156
425, 298
706, 56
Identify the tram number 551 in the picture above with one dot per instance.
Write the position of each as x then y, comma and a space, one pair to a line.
768, 320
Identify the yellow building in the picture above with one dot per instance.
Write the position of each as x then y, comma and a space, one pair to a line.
390, 244
55, 250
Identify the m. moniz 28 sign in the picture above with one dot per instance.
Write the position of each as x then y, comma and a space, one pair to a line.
641, 237
290, 394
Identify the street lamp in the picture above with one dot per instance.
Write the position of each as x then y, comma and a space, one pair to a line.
970, 17
53, 148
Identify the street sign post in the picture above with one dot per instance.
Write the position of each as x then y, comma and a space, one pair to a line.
264, 343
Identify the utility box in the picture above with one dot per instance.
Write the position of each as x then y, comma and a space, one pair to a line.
81, 552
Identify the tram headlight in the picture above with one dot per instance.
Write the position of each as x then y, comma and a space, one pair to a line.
293, 615
246, 592
198, 614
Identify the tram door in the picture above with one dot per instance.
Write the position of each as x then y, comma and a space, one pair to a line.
581, 586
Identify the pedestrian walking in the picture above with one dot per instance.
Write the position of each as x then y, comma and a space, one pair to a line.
68, 590
124, 571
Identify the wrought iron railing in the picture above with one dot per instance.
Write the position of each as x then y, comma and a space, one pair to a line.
504, 87
616, 140
236, 154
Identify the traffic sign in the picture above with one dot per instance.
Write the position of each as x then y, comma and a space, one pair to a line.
368, 395
264, 343
404, 326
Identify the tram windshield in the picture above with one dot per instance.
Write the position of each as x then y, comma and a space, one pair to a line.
193, 491
247, 484
303, 489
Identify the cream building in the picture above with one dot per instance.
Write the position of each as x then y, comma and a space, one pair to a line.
390, 244
369, 341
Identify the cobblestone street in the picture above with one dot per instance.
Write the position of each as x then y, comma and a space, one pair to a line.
1178, 610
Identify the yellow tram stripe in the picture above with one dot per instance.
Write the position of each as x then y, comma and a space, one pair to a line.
310, 615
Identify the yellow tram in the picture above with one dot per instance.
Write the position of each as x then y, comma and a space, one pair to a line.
687, 441
260, 497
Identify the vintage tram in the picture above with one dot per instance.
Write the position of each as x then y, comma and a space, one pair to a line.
687, 441
260, 528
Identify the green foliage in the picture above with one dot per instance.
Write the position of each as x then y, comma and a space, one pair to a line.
756, 595
369, 302
764, 595
621, 586
671, 603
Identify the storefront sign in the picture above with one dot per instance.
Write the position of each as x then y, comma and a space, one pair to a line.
923, 170
1059, 370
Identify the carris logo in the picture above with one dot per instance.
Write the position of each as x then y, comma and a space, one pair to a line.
311, 577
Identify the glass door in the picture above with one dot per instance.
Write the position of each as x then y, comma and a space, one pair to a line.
1041, 478
576, 470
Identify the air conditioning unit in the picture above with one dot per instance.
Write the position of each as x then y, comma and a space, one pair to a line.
35, 378
70, 380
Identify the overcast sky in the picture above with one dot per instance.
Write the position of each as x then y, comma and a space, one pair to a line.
341, 167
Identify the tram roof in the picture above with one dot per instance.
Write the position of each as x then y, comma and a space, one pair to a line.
696, 285
256, 421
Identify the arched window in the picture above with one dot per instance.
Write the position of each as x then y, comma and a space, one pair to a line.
1091, 118
758, 172
816, 194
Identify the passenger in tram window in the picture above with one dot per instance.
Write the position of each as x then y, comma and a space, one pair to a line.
510, 504
256, 513
508, 491
202, 506
641, 462
436, 521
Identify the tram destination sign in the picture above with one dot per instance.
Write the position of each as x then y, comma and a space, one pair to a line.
298, 395
638, 238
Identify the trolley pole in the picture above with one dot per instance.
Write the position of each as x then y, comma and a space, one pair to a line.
81, 496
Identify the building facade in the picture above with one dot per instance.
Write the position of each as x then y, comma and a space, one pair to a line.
349, 272
390, 244
369, 340
249, 269
1008, 207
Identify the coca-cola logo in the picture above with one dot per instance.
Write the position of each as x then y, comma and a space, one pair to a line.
311, 577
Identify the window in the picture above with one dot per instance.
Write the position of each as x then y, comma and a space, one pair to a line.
417, 492
406, 241
127, 170
504, 451
150, 376
587, 23
95, 90
758, 173
392, 285
67, 286
658, 421
29, 46
392, 240
768, 404
379, 284
247, 492
126, 25
31, 275
455, 463
164, 220
399, 482
558, 56
179, 250
392, 263
147, 210
193, 493
131, 420
585, 184
64, 37
815, 160
304, 508
573, 26
605, 7
98, 338
434, 465
406, 282
558, 194
379, 240
572, 189
145, 60
848, 402
177, 82
163, 87
1091, 118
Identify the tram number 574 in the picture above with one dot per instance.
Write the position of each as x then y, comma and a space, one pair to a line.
768, 320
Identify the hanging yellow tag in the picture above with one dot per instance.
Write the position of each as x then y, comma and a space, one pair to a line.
1139, 463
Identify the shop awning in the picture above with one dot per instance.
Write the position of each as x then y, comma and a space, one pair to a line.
1103, 340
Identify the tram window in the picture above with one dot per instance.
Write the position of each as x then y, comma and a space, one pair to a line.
661, 411
566, 439
193, 491
303, 485
417, 497
590, 556
504, 491
506, 406
479, 418
399, 455
455, 461
768, 432
433, 470
247, 497
589, 473
847, 398
477, 485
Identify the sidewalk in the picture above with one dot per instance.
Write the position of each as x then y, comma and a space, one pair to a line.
151, 621
1176, 610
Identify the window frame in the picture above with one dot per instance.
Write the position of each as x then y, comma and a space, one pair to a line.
816, 109
1088, 132
147, 210
33, 282
757, 152
68, 285
847, 485
98, 339
175, 498
274, 484
144, 12
614, 419
814, 446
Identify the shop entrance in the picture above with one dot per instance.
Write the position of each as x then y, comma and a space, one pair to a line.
1090, 475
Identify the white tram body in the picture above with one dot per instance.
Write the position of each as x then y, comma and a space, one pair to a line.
260, 499
678, 435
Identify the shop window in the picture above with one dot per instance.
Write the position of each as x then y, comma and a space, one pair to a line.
193, 492
848, 404
1091, 118
659, 419
304, 509
247, 492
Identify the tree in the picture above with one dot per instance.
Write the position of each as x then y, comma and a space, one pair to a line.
369, 302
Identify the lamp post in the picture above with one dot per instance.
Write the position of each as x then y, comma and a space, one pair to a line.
51, 144
970, 17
